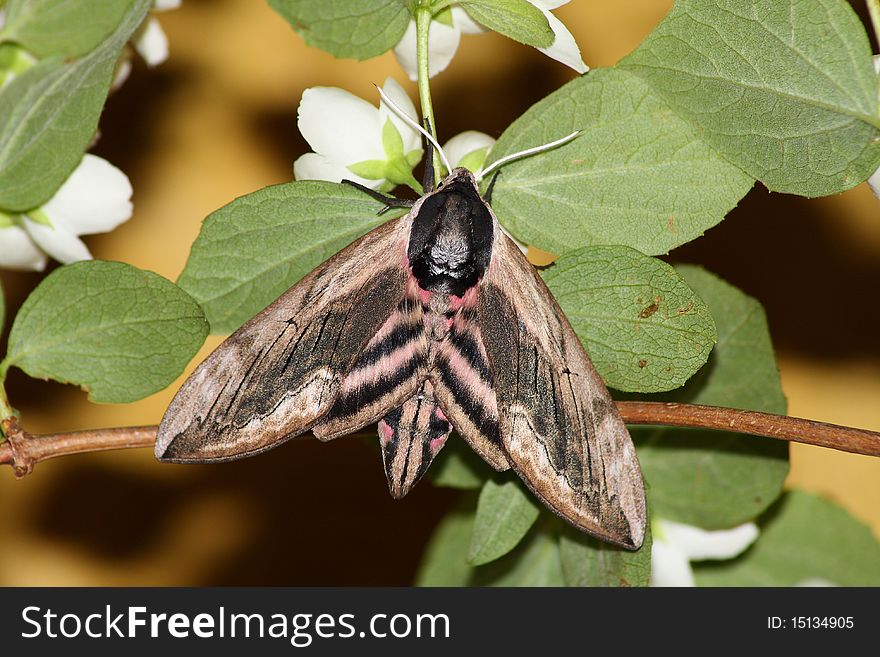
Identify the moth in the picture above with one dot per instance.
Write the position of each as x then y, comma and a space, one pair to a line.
431, 322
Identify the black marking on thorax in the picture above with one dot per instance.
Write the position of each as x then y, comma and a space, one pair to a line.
450, 244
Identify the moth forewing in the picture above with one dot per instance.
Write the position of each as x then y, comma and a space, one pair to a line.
282, 371
558, 423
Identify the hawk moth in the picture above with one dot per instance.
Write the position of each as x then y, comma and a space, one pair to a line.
432, 321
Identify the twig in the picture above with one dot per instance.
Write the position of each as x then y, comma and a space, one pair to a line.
782, 427
23, 450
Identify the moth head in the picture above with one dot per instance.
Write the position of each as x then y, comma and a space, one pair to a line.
450, 242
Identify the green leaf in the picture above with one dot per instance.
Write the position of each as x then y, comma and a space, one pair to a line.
644, 328
49, 115
62, 27
803, 538
119, 332
783, 89
587, 561
444, 563
716, 479
505, 513
458, 466
535, 562
358, 29
516, 19
638, 175
253, 249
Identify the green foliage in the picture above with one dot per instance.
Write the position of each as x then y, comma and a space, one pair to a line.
587, 561
784, 89
638, 175
717, 479
62, 27
643, 327
458, 466
119, 332
804, 538
253, 249
516, 19
535, 562
358, 29
444, 562
49, 114
505, 513
674, 136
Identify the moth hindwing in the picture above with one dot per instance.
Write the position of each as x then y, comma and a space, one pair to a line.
431, 321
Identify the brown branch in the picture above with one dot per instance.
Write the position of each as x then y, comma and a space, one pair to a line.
23, 450
782, 427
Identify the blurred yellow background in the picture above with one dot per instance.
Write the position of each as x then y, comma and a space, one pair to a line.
218, 120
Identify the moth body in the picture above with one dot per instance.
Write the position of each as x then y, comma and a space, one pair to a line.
430, 322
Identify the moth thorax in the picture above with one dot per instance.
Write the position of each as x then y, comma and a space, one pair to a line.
451, 240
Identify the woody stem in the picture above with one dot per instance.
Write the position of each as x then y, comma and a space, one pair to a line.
23, 450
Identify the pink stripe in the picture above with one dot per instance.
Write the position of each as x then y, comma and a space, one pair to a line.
385, 366
386, 433
463, 371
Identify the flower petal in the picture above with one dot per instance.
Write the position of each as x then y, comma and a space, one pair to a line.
564, 49
95, 198
463, 21
669, 566
18, 251
397, 94
152, 44
58, 242
815, 582
547, 5
312, 166
464, 144
874, 183
699, 544
442, 44
123, 71
165, 5
340, 126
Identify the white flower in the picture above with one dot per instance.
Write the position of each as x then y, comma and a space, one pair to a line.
874, 180
446, 31
469, 150
150, 40
815, 582
676, 545
355, 140
96, 198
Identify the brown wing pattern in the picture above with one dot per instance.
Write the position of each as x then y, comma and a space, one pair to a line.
282, 371
387, 372
463, 386
558, 424
410, 437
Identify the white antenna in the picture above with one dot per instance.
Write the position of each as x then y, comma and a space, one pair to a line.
529, 151
408, 120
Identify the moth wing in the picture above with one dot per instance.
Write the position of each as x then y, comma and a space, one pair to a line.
281, 372
463, 385
385, 374
558, 423
410, 436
